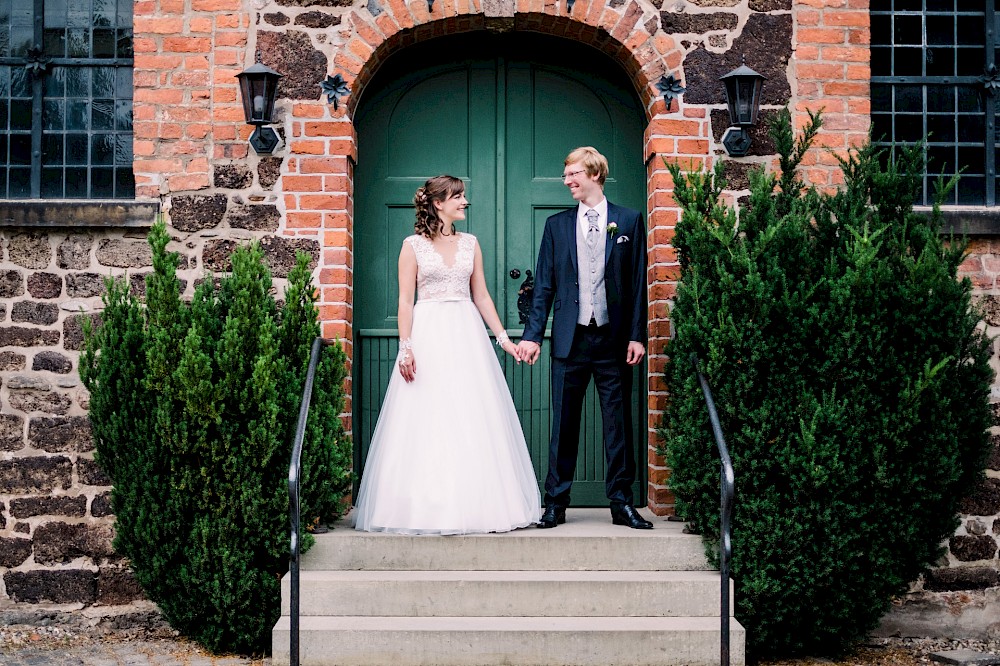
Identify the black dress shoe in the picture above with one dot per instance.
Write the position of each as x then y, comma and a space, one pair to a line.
625, 514
553, 515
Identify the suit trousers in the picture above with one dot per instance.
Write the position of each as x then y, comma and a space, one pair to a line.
592, 355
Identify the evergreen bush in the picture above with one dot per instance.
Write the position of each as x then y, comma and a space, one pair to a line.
851, 376
193, 408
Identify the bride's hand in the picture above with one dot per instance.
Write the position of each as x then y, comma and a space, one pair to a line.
408, 366
512, 349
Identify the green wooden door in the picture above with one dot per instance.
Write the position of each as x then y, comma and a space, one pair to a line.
482, 110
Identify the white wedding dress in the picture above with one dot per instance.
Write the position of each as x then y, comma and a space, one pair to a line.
448, 455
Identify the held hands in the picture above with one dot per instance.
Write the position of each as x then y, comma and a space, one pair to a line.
528, 351
511, 349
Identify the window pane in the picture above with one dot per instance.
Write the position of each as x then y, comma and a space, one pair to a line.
941, 99
77, 147
941, 128
971, 191
941, 31
76, 183
971, 30
909, 128
908, 5
881, 61
970, 61
909, 98
102, 183
54, 43
77, 42
940, 5
19, 183
124, 45
908, 29
881, 127
52, 149
972, 128
53, 115
940, 62
104, 13
52, 183
970, 99
102, 149
102, 114
104, 43
55, 82
940, 159
78, 82
77, 115
908, 62
124, 183
20, 114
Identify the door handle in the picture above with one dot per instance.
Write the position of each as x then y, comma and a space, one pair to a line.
524, 295
515, 273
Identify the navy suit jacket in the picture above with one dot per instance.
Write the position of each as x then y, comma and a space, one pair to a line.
557, 287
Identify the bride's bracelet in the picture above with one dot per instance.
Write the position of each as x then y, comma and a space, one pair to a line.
502, 338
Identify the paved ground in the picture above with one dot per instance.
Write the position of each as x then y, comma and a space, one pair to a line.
26, 645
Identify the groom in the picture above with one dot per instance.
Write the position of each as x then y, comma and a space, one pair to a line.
592, 270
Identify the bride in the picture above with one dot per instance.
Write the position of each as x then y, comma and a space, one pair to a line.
448, 455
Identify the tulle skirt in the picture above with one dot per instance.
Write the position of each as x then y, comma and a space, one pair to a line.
448, 455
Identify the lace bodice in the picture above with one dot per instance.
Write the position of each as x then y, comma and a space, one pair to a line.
437, 281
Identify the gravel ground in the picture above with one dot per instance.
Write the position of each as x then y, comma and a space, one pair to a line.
62, 645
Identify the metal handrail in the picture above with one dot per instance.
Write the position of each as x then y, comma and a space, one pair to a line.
294, 503
727, 488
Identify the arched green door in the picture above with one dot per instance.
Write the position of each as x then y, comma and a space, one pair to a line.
481, 108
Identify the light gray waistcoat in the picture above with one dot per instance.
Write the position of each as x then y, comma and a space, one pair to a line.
590, 273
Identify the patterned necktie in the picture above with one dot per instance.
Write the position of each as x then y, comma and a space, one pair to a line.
591, 216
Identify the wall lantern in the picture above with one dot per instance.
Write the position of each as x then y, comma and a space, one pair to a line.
743, 96
259, 87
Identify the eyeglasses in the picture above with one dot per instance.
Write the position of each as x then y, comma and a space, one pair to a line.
570, 174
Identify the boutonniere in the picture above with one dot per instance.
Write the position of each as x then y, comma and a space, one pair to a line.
612, 229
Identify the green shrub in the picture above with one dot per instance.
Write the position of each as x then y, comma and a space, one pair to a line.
850, 372
193, 408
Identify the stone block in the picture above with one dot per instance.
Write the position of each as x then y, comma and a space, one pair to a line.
993, 459
28, 382
26, 507
767, 39
36, 474
74, 251
11, 432
968, 548
44, 285
23, 336
263, 217
62, 586
196, 212
276, 18
11, 283
65, 434
59, 543
91, 473
12, 361
117, 586
84, 285
101, 505
215, 255
317, 19
268, 171
51, 361
960, 578
770, 5
47, 402
31, 250
32, 312
73, 330
279, 253
315, 3
985, 501
124, 253
233, 176
292, 52
13, 552
682, 22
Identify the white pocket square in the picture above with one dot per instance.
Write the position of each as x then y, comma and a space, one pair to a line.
621, 239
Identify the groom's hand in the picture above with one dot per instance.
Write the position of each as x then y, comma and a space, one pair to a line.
528, 351
635, 353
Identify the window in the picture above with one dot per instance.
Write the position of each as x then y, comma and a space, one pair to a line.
933, 72
66, 99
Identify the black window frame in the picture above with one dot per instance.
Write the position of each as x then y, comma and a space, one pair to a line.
116, 140
927, 89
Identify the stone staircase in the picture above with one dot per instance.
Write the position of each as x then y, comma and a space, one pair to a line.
585, 593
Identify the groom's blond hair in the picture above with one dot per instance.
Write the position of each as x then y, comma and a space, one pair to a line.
595, 163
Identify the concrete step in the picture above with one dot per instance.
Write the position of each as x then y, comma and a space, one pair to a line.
512, 641
588, 541
507, 593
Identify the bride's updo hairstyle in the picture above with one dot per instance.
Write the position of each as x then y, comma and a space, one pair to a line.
439, 188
